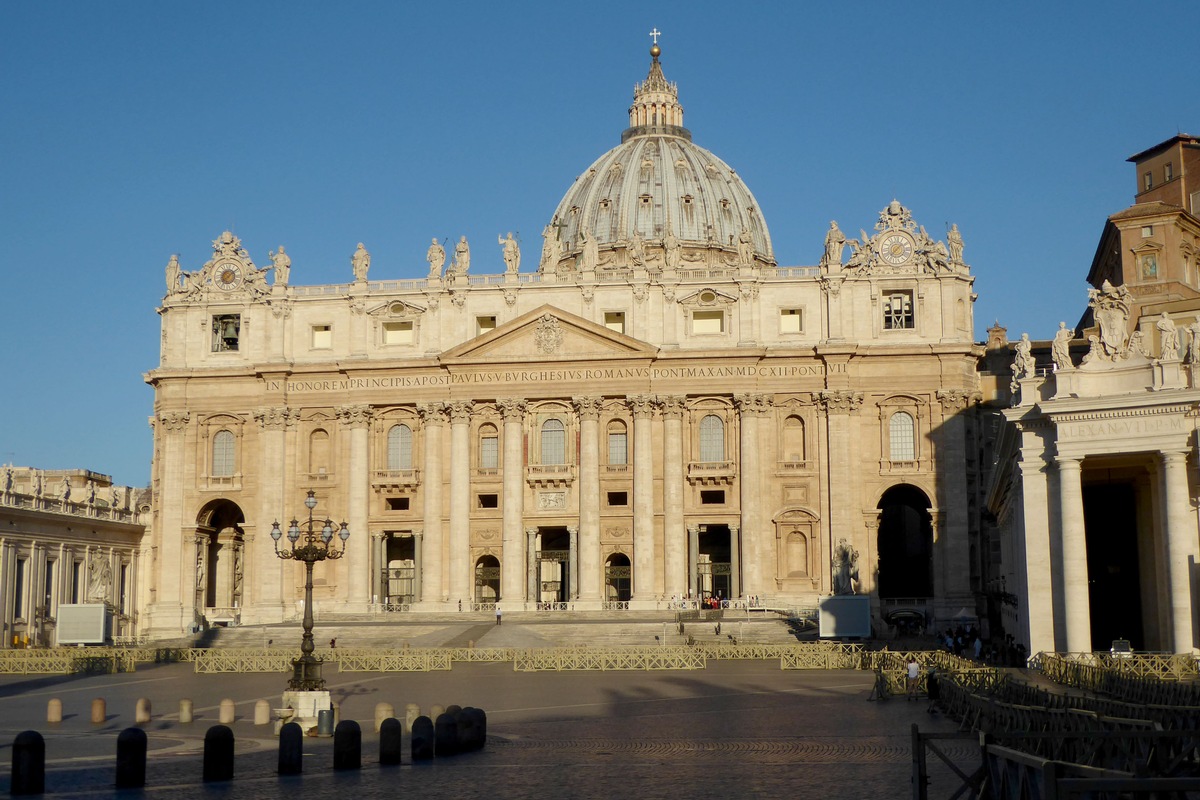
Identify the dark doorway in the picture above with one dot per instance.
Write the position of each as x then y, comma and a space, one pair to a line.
487, 580
618, 577
905, 544
714, 573
553, 564
400, 572
1110, 519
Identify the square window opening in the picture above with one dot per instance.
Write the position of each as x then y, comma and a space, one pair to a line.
615, 321
226, 331
485, 324
708, 322
712, 497
618, 498
898, 311
322, 337
397, 503
489, 501
397, 333
791, 320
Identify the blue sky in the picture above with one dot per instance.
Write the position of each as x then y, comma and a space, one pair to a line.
131, 131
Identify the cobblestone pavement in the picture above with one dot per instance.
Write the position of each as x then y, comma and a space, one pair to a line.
739, 729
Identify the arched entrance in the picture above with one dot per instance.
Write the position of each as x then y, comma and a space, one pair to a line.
618, 579
400, 588
553, 564
220, 563
487, 579
714, 563
905, 544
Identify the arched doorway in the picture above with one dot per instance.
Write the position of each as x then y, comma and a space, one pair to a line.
487, 579
220, 563
618, 579
399, 572
553, 564
905, 544
714, 563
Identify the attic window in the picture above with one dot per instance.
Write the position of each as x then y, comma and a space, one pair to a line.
725, 203
646, 199
605, 203
687, 199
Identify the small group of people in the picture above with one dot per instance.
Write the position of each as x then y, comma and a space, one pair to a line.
912, 676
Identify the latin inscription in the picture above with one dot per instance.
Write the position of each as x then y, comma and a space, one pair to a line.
1115, 428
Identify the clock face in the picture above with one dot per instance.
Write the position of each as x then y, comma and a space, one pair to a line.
896, 248
227, 277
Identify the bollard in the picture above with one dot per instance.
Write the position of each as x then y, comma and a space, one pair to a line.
291, 749
99, 711
227, 712
435, 712
54, 710
337, 712
28, 764
464, 724
411, 712
141, 711
262, 712
422, 739
325, 722
478, 727
383, 711
185, 710
347, 745
445, 736
131, 759
218, 754
391, 745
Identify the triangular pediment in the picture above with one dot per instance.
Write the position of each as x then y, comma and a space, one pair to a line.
549, 334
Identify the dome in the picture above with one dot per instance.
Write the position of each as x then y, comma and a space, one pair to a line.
655, 187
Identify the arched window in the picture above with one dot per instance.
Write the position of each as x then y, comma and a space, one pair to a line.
712, 439
902, 444
222, 454
793, 439
554, 442
489, 447
318, 452
399, 447
618, 443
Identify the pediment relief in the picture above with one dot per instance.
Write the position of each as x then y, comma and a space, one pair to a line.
549, 333
707, 298
396, 309
797, 514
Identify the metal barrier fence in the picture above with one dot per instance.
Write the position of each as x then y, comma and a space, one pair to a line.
1152, 679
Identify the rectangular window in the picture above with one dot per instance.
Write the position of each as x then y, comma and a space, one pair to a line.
615, 321
226, 330
708, 322
76, 581
485, 324
397, 504
1147, 231
791, 320
1168, 171
618, 447
898, 311
48, 588
19, 590
322, 337
489, 501
618, 498
1147, 181
124, 589
712, 497
489, 452
397, 333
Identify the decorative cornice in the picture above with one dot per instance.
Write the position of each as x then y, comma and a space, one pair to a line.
174, 421
954, 400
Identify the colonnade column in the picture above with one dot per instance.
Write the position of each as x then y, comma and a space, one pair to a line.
1077, 603
377, 594
1180, 530
693, 559
839, 405
533, 589
433, 417
643, 498
675, 537
264, 571
954, 547
750, 408
460, 501
573, 564
735, 565
512, 585
357, 560
171, 606
1034, 554
588, 558
418, 564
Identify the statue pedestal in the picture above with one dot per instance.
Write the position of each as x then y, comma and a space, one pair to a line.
305, 706
845, 616
1167, 375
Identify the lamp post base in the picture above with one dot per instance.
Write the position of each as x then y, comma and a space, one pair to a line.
306, 675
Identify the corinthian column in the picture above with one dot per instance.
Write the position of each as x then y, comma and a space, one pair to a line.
643, 498
263, 570
1181, 549
750, 407
433, 415
172, 606
512, 583
845, 520
588, 557
675, 542
358, 556
1074, 554
460, 501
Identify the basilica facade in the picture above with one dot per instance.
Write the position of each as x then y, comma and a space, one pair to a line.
656, 413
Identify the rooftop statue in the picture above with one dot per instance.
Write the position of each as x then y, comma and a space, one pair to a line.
835, 240
462, 256
174, 272
1023, 364
745, 248
637, 250
1060, 351
360, 262
1168, 338
956, 245
1193, 347
283, 266
511, 252
589, 258
671, 249
551, 249
436, 256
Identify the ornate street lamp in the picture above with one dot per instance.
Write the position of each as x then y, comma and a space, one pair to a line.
317, 545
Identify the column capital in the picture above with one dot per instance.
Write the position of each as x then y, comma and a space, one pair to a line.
512, 408
672, 406
752, 404
357, 416
587, 407
432, 414
1169, 457
174, 421
955, 400
1068, 462
839, 401
461, 411
642, 406
276, 419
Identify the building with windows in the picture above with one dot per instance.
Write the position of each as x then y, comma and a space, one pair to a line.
70, 536
658, 411
1095, 485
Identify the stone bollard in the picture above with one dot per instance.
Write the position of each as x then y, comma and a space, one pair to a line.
99, 711
131, 759
422, 739
218, 754
445, 736
262, 712
465, 727
291, 749
435, 712
185, 710
28, 764
478, 727
141, 711
54, 710
347, 745
227, 712
391, 733
411, 712
383, 711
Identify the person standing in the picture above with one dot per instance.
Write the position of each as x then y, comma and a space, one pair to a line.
914, 677
498, 613
933, 689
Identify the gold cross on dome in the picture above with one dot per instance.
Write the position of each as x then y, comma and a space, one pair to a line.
654, 34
